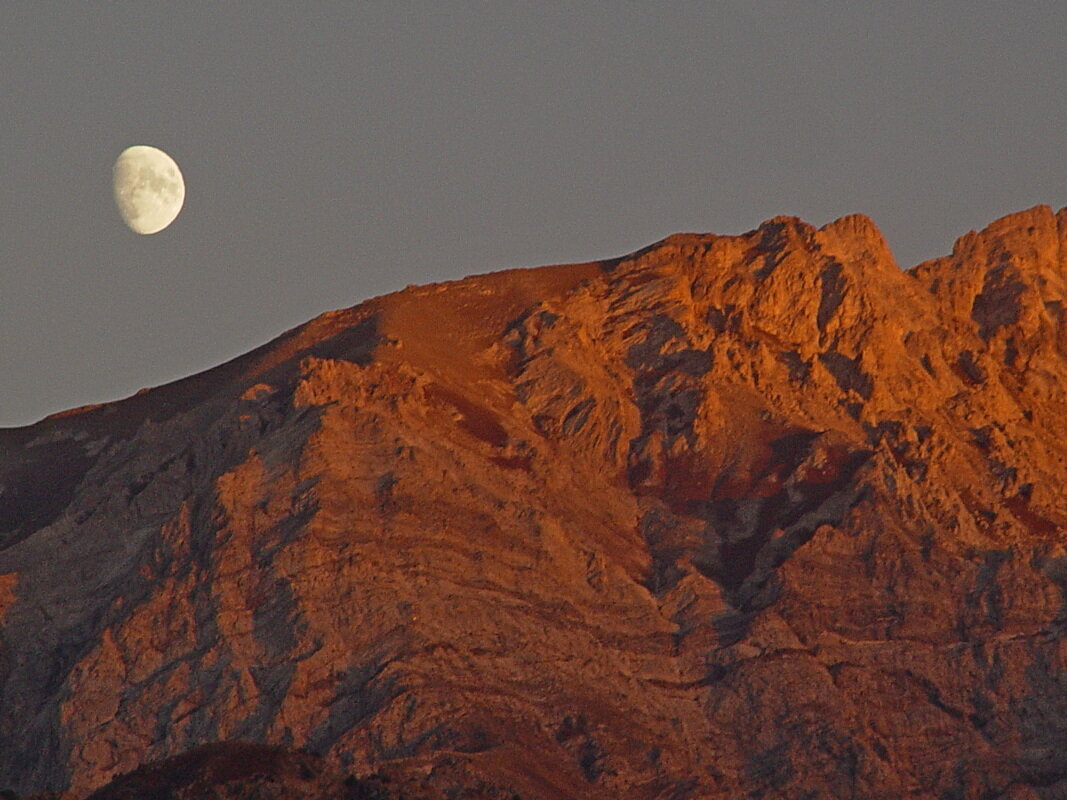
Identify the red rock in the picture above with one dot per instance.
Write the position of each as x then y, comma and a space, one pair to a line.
756, 515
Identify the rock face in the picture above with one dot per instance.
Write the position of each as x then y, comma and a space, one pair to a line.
230, 770
759, 515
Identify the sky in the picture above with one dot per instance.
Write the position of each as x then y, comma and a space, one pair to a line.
334, 152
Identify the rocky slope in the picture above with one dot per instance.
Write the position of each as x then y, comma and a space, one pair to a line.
755, 515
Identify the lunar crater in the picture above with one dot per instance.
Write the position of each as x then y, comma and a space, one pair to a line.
149, 189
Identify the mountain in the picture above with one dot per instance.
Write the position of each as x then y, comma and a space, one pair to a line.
732, 516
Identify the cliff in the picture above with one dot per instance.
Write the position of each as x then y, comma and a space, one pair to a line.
753, 515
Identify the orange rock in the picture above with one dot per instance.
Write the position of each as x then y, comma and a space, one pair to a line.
733, 515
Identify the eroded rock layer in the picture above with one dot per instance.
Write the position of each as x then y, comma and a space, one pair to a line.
755, 515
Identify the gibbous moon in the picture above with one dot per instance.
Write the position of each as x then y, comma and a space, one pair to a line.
149, 189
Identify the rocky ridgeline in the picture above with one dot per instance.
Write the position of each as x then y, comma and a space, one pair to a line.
757, 515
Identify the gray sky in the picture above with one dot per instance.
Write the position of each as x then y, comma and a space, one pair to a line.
333, 152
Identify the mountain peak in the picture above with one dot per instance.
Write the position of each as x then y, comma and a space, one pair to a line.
1007, 282
666, 525
855, 237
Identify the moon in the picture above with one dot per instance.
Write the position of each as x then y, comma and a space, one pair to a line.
149, 189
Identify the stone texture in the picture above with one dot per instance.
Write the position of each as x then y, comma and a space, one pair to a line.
759, 515
233, 770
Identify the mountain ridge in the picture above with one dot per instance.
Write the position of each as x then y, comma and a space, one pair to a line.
732, 514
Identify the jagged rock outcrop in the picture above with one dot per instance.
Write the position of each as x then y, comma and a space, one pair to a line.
755, 515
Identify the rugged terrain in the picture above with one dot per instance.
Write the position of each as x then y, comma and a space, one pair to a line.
756, 515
